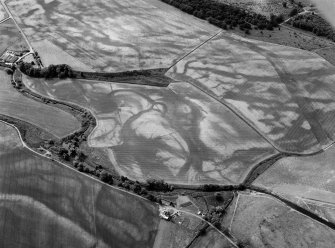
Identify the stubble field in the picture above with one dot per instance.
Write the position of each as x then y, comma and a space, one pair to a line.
177, 133
10, 38
113, 35
285, 93
3, 13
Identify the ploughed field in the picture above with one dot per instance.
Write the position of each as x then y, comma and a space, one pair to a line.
48, 118
44, 204
285, 93
177, 133
112, 35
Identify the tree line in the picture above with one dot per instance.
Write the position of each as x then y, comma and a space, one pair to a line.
52, 71
223, 15
314, 23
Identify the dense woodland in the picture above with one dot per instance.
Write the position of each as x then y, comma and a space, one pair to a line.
314, 23
225, 16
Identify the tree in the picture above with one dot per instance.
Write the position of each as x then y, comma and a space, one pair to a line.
218, 196
284, 4
293, 12
106, 177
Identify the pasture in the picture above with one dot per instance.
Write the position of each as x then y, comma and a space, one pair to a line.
285, 93
43, 204
178, 133
212, 239
260, 221
48, 118
113, 35
308, 180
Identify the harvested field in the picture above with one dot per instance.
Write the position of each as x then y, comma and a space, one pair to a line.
52, 55
50, 119
10, 38
43, 204
260, 221
3, 13
177, 133
285, 93
112, 35
309, 178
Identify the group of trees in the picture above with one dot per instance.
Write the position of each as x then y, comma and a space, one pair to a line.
223, 15
314, 23
158, 185
52, 71
214, 215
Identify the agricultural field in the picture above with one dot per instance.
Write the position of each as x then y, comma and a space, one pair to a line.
44, 204
232, 147
10, 38
304, 180
3, 13
50, 119
212, 239
113, 35
158, 132
260, 221
52, 55
284, 93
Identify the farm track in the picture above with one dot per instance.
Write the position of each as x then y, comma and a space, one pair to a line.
194, 49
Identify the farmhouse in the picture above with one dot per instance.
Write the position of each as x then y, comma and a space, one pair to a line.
10, 56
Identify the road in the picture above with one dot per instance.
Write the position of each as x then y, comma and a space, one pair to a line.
3, 2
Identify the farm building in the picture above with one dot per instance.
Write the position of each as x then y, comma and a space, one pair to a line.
10, 56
